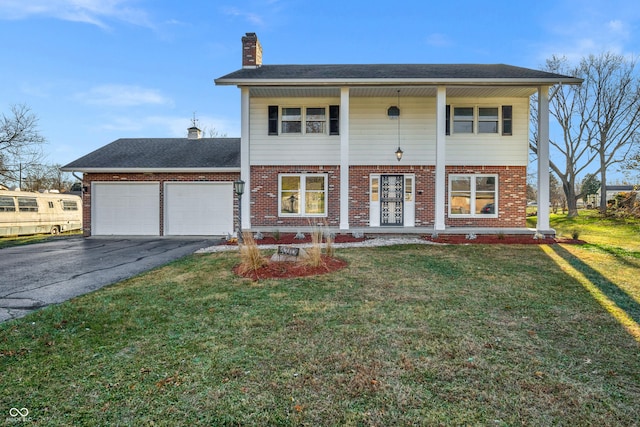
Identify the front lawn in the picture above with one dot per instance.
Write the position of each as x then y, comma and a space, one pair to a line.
405, 335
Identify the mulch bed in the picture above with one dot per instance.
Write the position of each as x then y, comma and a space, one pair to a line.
285, 270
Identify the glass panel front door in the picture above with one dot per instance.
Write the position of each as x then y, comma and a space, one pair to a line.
392, 200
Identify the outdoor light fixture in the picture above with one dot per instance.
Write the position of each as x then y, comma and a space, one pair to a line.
238, 188
399, 154
399, 150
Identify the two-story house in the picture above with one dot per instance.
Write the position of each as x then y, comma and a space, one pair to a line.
389, 147
370, 147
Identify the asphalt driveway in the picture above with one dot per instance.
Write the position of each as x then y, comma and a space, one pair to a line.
34, 276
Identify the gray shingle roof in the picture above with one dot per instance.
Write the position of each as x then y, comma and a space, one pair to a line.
162, 153
377, 72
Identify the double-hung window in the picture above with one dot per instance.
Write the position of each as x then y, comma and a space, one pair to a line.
479, 120
292, 120
312, 120
463, 120
473, 196
302, 195
487, 120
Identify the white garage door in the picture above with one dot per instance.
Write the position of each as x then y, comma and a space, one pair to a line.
120, 208
198, 208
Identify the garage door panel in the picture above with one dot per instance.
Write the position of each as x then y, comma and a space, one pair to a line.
126, 209
198, 208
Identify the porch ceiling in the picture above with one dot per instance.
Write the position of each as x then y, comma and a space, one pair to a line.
392, 91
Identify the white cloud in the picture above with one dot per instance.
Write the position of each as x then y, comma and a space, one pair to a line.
248, 16
94, 12
123, 96
438, 40
169, 126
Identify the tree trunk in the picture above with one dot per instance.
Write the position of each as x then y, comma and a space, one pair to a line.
572, 199
603, 190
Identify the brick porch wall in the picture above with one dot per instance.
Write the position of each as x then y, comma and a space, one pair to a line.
88, 178
264, 195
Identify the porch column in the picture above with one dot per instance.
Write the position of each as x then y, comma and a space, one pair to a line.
245, 168
440, 182
543, 160
344, 158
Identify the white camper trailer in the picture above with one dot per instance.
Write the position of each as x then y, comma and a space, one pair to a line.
33, 213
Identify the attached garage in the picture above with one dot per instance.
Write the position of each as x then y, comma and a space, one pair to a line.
160, 186
126, 208
198, 208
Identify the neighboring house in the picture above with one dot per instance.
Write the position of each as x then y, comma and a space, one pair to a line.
373, 148
612, 191
387, 148
160, 187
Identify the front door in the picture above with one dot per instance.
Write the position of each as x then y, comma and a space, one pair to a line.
392, 200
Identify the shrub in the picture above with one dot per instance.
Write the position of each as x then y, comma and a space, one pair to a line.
575, 234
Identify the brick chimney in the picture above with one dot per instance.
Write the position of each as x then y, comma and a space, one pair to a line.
251, 51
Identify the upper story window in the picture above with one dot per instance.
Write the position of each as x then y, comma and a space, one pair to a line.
477, 120
292, 120
487, 120
463, 120
304, 120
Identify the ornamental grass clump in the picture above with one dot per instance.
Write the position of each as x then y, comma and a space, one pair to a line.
250, 256
315, 251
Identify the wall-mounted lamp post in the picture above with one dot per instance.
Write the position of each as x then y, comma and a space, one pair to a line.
238, 188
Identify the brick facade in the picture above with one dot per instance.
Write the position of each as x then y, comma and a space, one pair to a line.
264, 195
162, 177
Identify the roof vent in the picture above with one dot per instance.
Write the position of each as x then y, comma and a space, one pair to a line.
251, 51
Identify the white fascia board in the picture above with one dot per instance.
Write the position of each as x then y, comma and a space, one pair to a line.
150, 170
393, 82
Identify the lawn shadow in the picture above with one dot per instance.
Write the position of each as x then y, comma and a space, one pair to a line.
610, 290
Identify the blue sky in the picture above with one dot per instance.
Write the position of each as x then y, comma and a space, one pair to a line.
94, 71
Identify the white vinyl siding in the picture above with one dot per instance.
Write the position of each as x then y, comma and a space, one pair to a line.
373, 136
198, 208
125, 209
491, 149
291, 148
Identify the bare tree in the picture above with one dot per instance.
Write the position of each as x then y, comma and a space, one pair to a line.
599, 120
570, 106
20, 142
47, 177
616, 123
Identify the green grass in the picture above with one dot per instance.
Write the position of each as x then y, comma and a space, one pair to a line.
406, 335
609, 233
7, 242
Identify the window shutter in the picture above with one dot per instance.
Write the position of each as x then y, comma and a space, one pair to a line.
447, 125
334, 120
507, 120
273, 119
